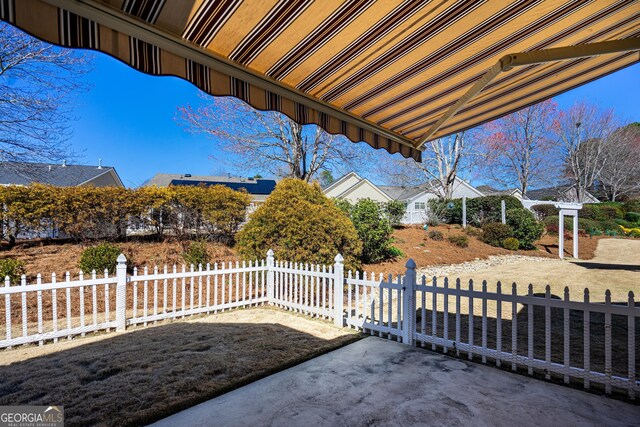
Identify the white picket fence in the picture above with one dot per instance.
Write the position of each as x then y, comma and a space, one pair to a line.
48, 311
405, 308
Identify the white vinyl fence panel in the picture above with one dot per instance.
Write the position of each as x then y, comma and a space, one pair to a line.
372, 304
52, 310
554, 336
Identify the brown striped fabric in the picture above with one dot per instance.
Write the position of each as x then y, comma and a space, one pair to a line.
382, 72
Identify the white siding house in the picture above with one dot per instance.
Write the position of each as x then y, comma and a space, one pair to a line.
352, 187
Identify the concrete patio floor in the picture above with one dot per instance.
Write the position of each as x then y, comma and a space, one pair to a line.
383, 383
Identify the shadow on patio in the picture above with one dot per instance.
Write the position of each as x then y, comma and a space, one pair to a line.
619, 338
147, 374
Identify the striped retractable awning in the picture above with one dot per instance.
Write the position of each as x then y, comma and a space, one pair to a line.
394, 74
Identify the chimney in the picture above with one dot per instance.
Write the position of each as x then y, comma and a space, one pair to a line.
49, 168
64, 163
99, 163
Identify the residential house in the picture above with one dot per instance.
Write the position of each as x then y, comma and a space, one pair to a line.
561, 193
60, 174
258, 188
490, 191
352, 187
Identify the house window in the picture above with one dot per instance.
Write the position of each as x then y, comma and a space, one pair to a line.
419, 206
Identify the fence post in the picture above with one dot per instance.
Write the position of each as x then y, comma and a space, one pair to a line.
409, 303
503, 208
270, 276
338, 290
464, 211
121, 293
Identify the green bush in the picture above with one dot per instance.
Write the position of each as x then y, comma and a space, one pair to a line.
601, 211
525, 227
395, 252
479, 209
394, 211
197, 254
13, 268
494, 233
586, 225
459, 240
511, 243
632, 217
344, 205
99, 258
447, 211
635, 233
373, 230
436, 235
551, 223
609, 226
631, 205
473, 231
300, 224
624, 223
544, 211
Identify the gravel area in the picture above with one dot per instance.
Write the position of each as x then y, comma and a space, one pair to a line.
478, 264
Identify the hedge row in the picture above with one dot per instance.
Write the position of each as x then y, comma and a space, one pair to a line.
83, 213
480, 210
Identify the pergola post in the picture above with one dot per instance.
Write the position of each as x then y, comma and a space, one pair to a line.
575, 235
561, 234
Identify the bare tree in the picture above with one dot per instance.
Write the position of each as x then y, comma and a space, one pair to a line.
36, 81
268, 140
582, 132
442, 161
520, 149
620, 174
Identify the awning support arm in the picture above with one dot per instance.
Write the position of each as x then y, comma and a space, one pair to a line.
513, 60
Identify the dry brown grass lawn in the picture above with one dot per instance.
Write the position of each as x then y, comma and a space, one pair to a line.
415, 243
146, 374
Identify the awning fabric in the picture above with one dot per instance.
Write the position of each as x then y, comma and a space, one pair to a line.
383, 72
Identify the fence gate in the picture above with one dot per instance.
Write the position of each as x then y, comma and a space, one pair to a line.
381, 306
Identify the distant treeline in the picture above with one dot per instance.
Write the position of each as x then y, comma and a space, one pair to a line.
83, 213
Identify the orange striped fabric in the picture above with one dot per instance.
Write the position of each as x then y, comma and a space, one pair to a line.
382, 72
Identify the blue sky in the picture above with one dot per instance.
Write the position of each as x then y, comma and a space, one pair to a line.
127, 119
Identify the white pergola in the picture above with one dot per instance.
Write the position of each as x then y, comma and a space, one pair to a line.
564, 209
568, 209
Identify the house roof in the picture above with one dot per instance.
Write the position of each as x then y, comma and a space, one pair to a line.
487, 189
251, 185
336, 182
404, 193
547, 193
392, 74
61, 175
554, 193
490, 191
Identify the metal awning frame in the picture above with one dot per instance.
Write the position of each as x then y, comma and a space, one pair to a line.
514, 60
